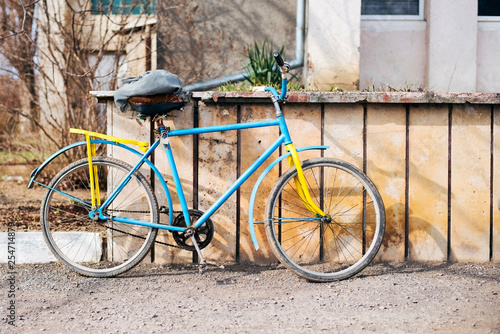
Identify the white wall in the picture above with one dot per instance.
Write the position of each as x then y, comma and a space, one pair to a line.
449, 50
333, 40
452, 49
488, 57
393, 53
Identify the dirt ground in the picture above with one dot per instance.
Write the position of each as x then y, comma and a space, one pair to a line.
384, 298
19, 204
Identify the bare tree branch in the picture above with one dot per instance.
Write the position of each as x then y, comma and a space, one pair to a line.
58, 51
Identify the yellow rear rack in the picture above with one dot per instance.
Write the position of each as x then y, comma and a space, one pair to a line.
94, 177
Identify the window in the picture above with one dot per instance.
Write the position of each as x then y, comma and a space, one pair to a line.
124, 7
488, 10
110, 70
392, 9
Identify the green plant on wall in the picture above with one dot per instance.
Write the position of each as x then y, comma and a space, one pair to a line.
261, 65
262, 70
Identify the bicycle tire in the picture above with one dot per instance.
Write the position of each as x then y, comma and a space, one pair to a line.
92, 248
334, 247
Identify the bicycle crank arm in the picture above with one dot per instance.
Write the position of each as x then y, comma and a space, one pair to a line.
203, 263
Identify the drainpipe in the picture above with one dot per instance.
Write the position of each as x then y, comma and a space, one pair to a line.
299, 34
297, 62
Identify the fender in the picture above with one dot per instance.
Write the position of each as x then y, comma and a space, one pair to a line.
37, 170
259, 181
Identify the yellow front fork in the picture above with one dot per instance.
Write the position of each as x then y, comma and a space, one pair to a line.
93, 175
301, 183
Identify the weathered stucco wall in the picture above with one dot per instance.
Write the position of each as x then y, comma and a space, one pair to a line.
488, 53
393, 53
333, 43
433, 157
203, 40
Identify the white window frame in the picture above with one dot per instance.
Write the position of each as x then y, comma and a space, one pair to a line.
419, 17
488, 18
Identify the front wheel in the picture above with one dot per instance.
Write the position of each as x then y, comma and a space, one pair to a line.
331, 247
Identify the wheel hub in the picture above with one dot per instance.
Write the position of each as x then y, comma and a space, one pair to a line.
326, 220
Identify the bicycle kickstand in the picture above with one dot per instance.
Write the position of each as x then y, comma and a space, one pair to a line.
203, 263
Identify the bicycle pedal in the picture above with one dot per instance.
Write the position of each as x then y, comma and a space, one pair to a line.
202, 266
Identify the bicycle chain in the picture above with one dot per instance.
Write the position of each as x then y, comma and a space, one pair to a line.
140, 237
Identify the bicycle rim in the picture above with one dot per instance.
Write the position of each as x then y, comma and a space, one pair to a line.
105, 248
328, 248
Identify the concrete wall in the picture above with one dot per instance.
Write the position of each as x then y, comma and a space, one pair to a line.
393, 53
449, 50
333, 41
488, 53
452, 48
433, 157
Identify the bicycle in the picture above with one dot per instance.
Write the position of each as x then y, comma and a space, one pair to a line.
324, 218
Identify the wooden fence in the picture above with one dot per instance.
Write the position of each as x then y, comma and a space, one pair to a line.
434, 158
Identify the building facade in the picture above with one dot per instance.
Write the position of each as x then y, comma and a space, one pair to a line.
437, 45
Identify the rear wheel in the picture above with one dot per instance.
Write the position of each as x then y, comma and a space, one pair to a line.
98, 248
338, 245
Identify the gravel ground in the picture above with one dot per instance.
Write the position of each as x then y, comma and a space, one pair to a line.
385, 298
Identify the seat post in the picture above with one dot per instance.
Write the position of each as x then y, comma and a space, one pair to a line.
159, 122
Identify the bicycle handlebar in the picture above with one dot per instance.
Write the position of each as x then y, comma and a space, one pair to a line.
278, 58
284, 68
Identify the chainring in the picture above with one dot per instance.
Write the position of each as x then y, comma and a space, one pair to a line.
202, 234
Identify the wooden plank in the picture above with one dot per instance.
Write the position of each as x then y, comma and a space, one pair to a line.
343, 132
470, 184
253, 143
122, 126
496, 185
304, 124
217, 172
182, 149
386, 146
428, 183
